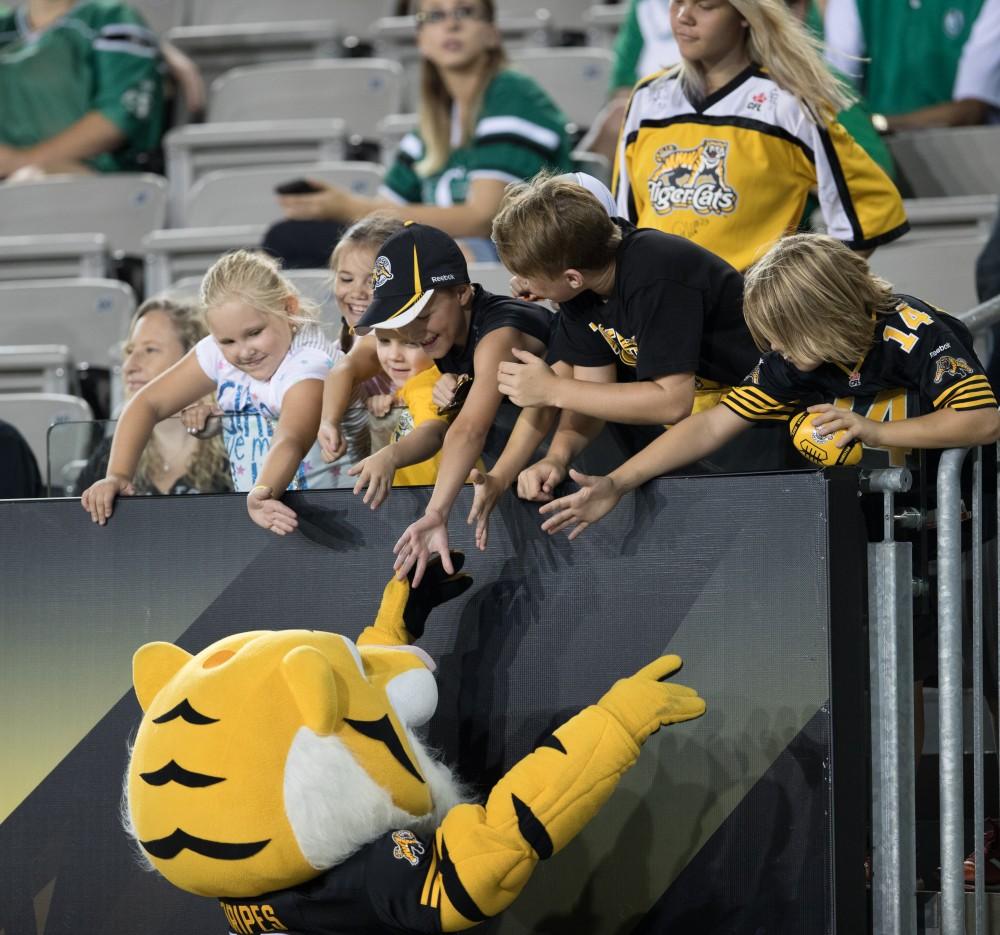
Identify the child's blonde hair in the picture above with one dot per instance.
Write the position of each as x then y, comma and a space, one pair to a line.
779, 42
816, 298
369, 233
254, 278
550, 224
435, 105
208, 470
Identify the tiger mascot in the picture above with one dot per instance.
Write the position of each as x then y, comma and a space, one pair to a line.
280, 772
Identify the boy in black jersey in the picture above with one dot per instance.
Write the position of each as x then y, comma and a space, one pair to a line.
887, 370
650, 329
422, 292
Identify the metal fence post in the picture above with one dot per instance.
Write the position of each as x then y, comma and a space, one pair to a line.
890, 634
949, 568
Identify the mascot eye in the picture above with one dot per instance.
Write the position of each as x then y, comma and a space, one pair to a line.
185, 712
382, 730
173, 772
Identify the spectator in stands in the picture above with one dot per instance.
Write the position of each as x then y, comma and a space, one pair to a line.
646, 44
935, 63
725, 147
364, 424
173, 461
422, 290
265, 359
829, 330
19, 477
481, 126
80, 88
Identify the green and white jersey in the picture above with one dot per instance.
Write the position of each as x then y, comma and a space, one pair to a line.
903, 55
518, 132
99, 57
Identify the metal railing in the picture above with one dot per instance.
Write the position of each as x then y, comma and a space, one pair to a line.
891, 592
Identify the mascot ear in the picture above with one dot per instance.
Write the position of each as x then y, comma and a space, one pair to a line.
153, 665
414, 696
310, 678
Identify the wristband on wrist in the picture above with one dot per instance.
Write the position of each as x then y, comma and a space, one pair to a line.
266, 487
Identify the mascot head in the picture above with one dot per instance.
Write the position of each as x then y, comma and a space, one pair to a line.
272, 756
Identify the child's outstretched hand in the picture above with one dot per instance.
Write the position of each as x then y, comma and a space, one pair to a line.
487, 490
856, 427
269, 513
375, 472
332, 444
422, 539
596, 497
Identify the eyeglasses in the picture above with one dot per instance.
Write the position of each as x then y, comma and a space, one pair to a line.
457, 14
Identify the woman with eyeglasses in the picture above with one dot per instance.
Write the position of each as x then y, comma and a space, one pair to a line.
482, 126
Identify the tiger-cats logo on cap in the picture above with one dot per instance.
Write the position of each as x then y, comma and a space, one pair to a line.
692, 179
382, 272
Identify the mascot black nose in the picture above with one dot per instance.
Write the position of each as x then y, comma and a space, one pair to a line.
170, 846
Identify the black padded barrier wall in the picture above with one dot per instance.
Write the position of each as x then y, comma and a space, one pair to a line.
750, 820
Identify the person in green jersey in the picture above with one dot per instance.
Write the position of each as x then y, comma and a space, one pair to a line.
80, 87
935, 63
482, 126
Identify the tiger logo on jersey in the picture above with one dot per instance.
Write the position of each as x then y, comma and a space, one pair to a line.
382, 272
407, 848
692, 179
626, 349
951, 367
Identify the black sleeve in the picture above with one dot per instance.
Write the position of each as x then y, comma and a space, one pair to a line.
573, 342
766, 394
670, 318
400, 879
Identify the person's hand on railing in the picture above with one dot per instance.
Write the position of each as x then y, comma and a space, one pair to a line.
201, 420
99, 498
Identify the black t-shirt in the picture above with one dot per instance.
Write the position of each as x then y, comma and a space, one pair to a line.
490, 312
378, 889
675, 308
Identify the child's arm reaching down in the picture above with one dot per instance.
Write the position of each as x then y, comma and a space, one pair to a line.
377, 471
694, 437
361, 364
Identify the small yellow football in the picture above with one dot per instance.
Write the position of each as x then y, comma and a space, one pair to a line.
818, 448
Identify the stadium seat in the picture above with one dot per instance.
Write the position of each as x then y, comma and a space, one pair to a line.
53, 256
246, 196
948, 161
162, 15
353, 17
493, 277
576, 79
122, 206
602, 23
962, 214
217, 49
33, 414
939, 270
89, 316
171, 255
36, 368
559, 15
194, 150
392, 129
358, 91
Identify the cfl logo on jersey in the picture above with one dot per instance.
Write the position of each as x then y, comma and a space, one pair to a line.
757, 101
626, 349
407, 847
382, 272
692, 179
951, 367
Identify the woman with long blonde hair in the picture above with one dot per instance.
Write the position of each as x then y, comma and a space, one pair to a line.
482, 126
725, 147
